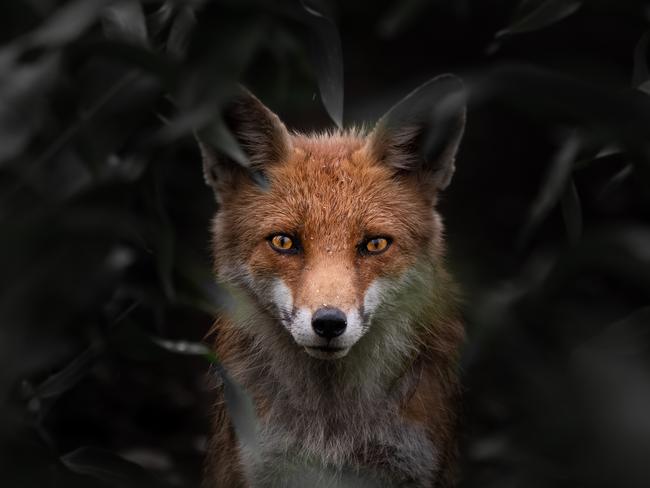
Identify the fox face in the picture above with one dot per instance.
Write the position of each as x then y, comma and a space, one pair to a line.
320, 231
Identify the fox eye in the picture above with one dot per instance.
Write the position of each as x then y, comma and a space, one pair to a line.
375, 245
283, 243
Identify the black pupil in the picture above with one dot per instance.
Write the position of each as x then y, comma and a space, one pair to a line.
284, 241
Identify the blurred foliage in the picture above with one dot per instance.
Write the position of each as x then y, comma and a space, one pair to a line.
103, 220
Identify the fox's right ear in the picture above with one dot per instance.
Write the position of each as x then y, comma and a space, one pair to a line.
247, 138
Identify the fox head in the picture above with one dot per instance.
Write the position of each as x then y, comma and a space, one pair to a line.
321, 230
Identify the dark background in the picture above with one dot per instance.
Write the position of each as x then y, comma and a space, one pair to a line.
105, 281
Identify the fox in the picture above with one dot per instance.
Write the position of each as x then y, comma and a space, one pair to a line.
348, 330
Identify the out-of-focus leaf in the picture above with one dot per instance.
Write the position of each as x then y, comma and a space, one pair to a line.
125, 21
645, 87
641, 74
398, 18
200, 291
238, 401
627, 337
553, 186
109, 468
139, 56
242, 414
164, 243
612, 372
327, 57
22, 92
69, 376
605, 154
161, 19
616, 180
214, 79
176, 21
186, 347
620, 118
572, 212
547, 13
67, 135
60, 382
219, 136
68, 22
180, 31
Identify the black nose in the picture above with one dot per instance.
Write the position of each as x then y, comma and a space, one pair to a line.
328, 322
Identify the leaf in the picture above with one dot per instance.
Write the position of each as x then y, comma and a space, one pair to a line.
69, 376
327, 56
219, 136
616, 180
572, 212
629, 336
62, 381
547, 13
618, 118
640, 74
238, 402
180, 32
125, 21
68, 23
186, 347
607, 153
553, 186
398, 18
165, 242
109, 468
242, 414
22, 96
221, 50
87, 114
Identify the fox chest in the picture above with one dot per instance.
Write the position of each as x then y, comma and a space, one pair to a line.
351, 449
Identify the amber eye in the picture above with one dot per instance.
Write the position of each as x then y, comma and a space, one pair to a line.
376, 245
282, 243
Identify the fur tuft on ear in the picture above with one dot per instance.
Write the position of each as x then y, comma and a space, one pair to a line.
247, 138
422, 132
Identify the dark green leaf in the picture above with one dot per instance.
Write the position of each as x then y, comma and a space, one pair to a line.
238, 401
547, 13
616, 180
164, 243
616, 117
22, 95
327, 57
109, 468
186, 347
69, 376
641, 75
572, 212
181, 29
398, 18
553, 187
242, 414
68, 22
124, 21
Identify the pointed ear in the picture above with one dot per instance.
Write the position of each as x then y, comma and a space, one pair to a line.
422, 132
242, 143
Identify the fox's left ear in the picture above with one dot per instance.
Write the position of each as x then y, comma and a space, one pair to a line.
422, 132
